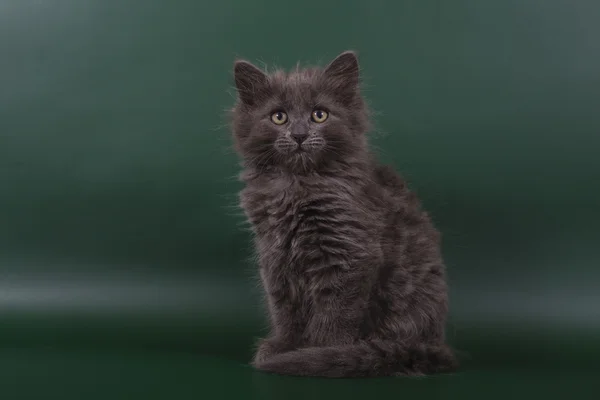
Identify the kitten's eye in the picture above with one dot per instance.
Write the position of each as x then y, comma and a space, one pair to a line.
319, 116
279, 118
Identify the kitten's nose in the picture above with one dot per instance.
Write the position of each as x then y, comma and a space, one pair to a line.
299, 135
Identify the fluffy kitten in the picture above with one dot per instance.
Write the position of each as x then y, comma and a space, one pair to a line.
350, 264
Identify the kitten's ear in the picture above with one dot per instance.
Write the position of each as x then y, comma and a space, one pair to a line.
342, 75
250, 81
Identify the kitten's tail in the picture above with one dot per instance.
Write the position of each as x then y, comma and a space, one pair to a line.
363, 359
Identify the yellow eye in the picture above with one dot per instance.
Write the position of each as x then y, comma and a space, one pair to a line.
319, 116
279, 118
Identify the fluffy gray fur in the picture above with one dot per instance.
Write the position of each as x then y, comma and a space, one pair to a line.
350, 264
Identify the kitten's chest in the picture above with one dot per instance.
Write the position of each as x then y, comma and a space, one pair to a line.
284, 219
292, 222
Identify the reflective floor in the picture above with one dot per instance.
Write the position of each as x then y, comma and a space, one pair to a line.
48, 373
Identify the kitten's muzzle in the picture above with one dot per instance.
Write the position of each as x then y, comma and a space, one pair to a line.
299, 134
299, 137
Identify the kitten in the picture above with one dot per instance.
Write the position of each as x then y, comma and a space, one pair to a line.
350, 264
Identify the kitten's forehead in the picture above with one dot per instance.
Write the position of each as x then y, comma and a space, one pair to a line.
296, 88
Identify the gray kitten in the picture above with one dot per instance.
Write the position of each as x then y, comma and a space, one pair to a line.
350, 264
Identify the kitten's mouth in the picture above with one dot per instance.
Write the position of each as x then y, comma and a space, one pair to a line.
299, 150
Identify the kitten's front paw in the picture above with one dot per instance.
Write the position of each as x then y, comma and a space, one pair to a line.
267, 348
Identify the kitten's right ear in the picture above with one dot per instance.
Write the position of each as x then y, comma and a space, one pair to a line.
342, 75
250, 81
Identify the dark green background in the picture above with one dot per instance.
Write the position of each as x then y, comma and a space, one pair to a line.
124, 271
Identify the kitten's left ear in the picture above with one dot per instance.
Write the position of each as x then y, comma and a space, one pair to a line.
250, 81
343, 74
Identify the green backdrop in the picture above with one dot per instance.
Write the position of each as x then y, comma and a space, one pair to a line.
124, 271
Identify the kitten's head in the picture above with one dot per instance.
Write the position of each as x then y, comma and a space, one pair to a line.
301, 120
